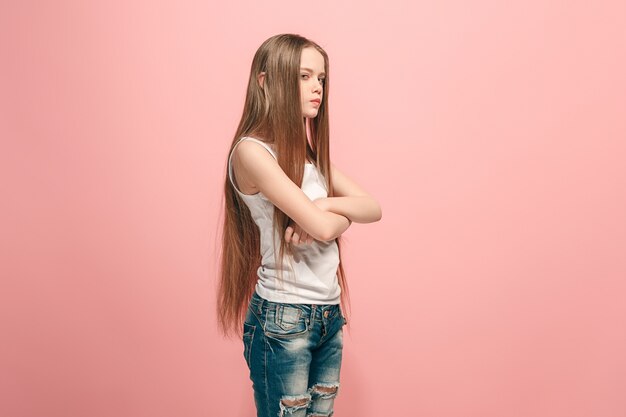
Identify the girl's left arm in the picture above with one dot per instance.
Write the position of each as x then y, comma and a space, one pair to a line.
351, 200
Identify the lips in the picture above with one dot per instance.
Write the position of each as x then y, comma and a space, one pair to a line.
317, 100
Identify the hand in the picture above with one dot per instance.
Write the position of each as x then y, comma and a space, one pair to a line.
296, 235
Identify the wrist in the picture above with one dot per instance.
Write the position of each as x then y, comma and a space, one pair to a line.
323, 203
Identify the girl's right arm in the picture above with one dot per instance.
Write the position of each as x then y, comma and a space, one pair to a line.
262, 170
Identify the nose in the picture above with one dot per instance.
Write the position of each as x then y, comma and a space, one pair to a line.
318, 86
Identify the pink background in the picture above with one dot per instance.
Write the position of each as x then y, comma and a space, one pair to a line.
492, 133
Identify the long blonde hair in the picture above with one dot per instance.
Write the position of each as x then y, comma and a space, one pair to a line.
272, 113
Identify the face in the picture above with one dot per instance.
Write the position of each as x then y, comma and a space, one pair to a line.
311, 81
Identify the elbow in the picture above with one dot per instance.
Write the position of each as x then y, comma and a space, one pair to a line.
377, 213
320, 234
326, 235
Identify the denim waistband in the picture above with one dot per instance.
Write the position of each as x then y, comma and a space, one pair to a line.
259, 303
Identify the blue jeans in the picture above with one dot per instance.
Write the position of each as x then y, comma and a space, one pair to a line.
294, 353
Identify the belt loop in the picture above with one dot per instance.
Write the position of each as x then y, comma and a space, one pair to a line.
312, 320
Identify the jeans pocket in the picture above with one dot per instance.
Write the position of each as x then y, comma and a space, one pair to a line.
285, 321
343, 319
248, 336
333, 312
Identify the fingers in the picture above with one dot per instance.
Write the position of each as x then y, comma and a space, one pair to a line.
296, 235
288, 234
303, 236
295, 238
292, 236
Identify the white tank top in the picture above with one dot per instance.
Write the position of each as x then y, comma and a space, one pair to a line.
310, 275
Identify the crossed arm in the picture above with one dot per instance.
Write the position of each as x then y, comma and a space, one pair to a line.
323, 219
352, 202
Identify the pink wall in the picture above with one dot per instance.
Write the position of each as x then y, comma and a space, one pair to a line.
491, 132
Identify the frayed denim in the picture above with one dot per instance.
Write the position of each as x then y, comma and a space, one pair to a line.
293, 352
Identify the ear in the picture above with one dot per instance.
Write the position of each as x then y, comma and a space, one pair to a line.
261, 79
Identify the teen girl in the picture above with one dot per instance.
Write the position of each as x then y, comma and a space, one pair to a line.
281, 279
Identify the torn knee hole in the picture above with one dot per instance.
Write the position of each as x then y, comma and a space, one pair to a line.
325, 391
291, 404
295, 403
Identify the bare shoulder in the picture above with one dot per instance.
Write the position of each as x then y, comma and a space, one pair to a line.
344, 186
248, 156
263, 170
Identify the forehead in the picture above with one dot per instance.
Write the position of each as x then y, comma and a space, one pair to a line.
312, 59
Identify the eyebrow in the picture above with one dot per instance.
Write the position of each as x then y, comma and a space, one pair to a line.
310, 70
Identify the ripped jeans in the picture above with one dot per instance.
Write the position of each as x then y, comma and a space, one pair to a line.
294, 353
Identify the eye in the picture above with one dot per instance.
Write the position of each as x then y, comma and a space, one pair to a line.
304, 75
